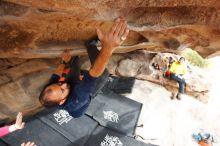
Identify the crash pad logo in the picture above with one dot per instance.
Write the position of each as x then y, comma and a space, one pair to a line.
111, 141
62, 116
111, 116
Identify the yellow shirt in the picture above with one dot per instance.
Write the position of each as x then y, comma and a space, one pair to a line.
178, 68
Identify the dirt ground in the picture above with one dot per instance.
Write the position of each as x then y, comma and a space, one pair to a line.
169, 122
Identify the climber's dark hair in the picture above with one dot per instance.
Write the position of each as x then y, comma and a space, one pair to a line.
182, 58
45, 99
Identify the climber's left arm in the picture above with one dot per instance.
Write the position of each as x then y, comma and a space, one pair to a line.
66, 57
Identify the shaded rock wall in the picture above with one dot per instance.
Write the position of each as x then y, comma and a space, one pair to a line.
20, 85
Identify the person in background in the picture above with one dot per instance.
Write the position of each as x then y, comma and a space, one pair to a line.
177, 71
167, 69
170, 62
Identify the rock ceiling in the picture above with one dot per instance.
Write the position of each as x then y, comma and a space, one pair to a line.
43, 29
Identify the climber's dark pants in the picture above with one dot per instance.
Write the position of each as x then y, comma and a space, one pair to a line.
181, 82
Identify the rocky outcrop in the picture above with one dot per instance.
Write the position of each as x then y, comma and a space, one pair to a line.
20, 86
32, 29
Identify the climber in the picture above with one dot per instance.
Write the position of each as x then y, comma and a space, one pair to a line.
170, 61
177, 71
167, 68
74, 95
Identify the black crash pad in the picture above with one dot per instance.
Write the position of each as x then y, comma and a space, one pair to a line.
2, 143
54, 127
38, 132
48, 129
76, 130
105, 137
115, 111
120, 85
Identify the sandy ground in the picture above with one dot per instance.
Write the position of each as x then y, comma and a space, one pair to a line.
172, 122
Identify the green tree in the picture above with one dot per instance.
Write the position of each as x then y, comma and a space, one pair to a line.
194, 58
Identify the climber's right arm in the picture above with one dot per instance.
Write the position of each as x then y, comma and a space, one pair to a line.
109, 41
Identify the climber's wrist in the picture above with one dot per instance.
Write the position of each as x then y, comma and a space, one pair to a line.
12, 128
107, 50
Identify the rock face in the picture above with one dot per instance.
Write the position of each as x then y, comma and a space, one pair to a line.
32, 33
32, 29
20, 86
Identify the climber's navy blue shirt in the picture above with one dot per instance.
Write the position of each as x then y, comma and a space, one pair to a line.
78, 99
